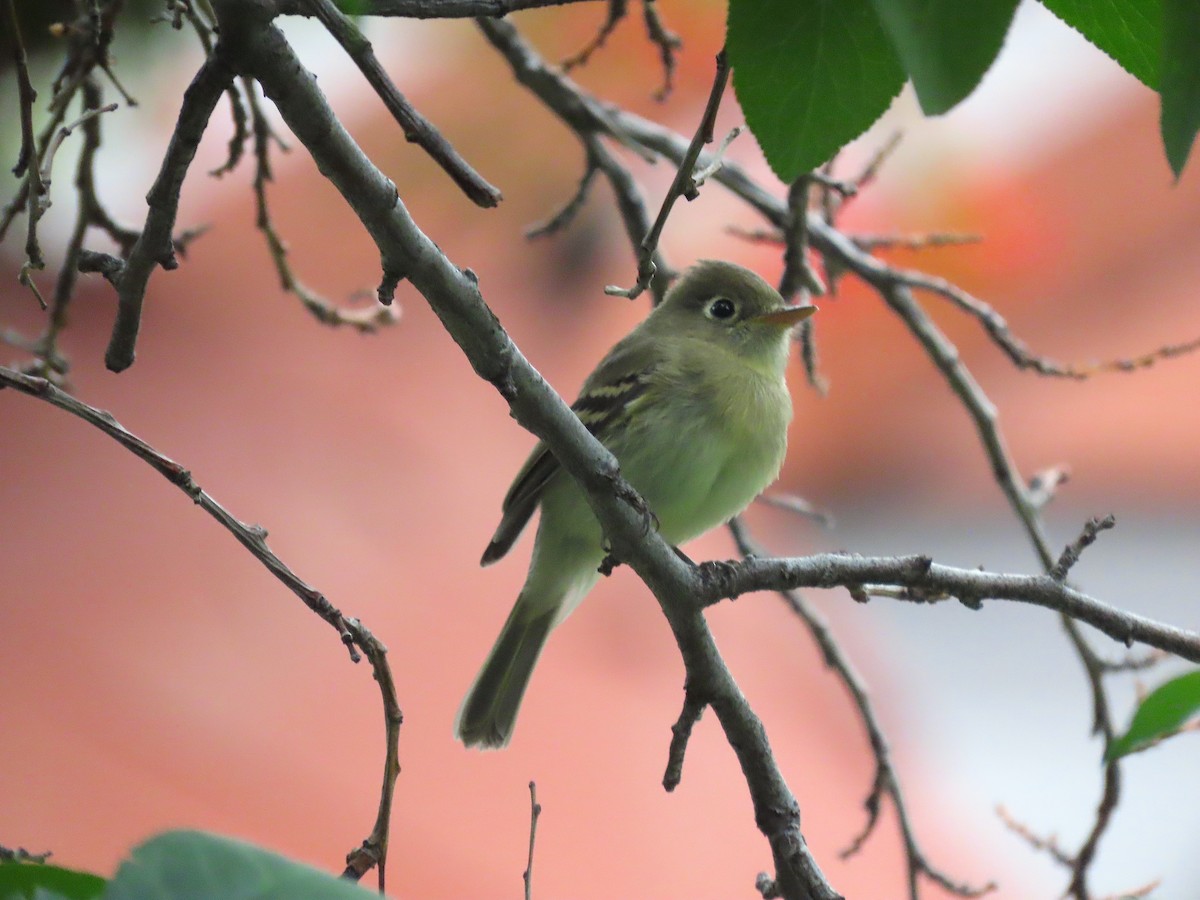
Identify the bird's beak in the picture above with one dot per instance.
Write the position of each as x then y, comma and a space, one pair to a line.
787, 316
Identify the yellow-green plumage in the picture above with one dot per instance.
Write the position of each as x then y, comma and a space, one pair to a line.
694, 406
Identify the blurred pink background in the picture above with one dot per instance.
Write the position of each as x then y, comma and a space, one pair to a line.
157, 676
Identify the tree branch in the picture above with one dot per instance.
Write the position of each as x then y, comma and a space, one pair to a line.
683, 185
254, 538
886, 781
926, 581
417, 129
154, 246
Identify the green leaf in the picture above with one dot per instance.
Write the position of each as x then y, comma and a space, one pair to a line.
945, 45
23, 879
1180, 86
811, 75
192, 865
1129, 31
1162, 711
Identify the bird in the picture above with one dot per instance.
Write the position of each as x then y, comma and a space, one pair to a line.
694, 405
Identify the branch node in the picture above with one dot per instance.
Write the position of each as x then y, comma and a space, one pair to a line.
681, 733
386, 292
1074, 550
767, 886
971, 602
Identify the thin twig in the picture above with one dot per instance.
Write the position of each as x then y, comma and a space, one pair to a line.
1139, 662
65, 132
617, 10
571, 208
366, 320
718, 157
588, 119
634, 215
1048, 845
578, 109
237, 141
799, 279
799, 506
373, 850
683, 184
681, 733
667, 42
27, 156
1073, 550
923, 241
535, 812
417, 129
154, 246
875, 163
254, 538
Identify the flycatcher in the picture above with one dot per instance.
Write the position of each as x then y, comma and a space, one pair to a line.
694, 406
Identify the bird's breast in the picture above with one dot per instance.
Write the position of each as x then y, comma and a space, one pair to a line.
704, 444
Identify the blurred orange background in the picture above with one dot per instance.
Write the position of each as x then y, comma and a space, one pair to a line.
157, 676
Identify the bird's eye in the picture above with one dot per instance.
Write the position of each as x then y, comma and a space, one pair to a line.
721, 308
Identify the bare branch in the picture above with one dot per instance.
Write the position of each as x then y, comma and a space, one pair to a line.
417, 129
1138, 662
254, 538
237, 141
366, 320
797, 505
886, 782
1073, 550
971, 586
668, 43
571, 208
588, 119
373, 850
27, 156
923, 241
1048, 845
683, 185
617, 10
681, 733
154, 246
800, 279
535, 812
634, 215
581, 112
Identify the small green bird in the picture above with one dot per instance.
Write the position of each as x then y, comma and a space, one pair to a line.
694, 406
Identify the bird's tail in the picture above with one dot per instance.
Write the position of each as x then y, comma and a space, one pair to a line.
488, 713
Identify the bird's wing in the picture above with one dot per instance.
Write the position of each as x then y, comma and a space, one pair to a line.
605, 398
